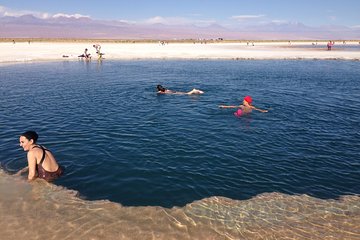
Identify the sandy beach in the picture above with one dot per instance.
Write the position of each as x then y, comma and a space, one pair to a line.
25, 51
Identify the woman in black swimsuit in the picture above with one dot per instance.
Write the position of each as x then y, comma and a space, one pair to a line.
41, 162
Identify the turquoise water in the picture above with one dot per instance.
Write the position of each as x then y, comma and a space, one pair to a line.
121, 141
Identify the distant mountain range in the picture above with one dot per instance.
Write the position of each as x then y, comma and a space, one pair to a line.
28, 26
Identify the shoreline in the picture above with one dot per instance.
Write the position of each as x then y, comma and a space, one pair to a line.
56, 50
25, 205
104, 40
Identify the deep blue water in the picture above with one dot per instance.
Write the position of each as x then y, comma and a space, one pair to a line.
121, 141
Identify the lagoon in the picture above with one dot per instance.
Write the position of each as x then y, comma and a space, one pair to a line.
120, 141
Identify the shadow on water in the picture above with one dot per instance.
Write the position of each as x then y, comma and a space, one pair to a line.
121, 141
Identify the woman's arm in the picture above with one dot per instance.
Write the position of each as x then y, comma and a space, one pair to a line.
25, 169
31, 165
229, 106
258, 109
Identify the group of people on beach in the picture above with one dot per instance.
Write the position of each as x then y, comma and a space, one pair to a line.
42, 163
87, 56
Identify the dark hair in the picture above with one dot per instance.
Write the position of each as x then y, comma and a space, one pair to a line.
160, 88
31, 135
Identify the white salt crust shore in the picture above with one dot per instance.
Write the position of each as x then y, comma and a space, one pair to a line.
58, 51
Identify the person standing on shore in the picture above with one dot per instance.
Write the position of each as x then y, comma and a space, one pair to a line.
329, 45
97, 48
41, 162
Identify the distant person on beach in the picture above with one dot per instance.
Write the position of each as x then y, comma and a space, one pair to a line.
97, 48
329, 45
85, 55
41, 162
245, 108
163, 90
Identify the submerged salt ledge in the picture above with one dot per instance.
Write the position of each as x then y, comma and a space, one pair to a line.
25, 206
39, 51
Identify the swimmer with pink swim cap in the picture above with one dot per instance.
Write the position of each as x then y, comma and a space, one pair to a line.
245, 108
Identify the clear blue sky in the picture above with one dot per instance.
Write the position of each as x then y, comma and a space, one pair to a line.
224, 12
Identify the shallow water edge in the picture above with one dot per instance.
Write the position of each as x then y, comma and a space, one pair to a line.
39, 210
